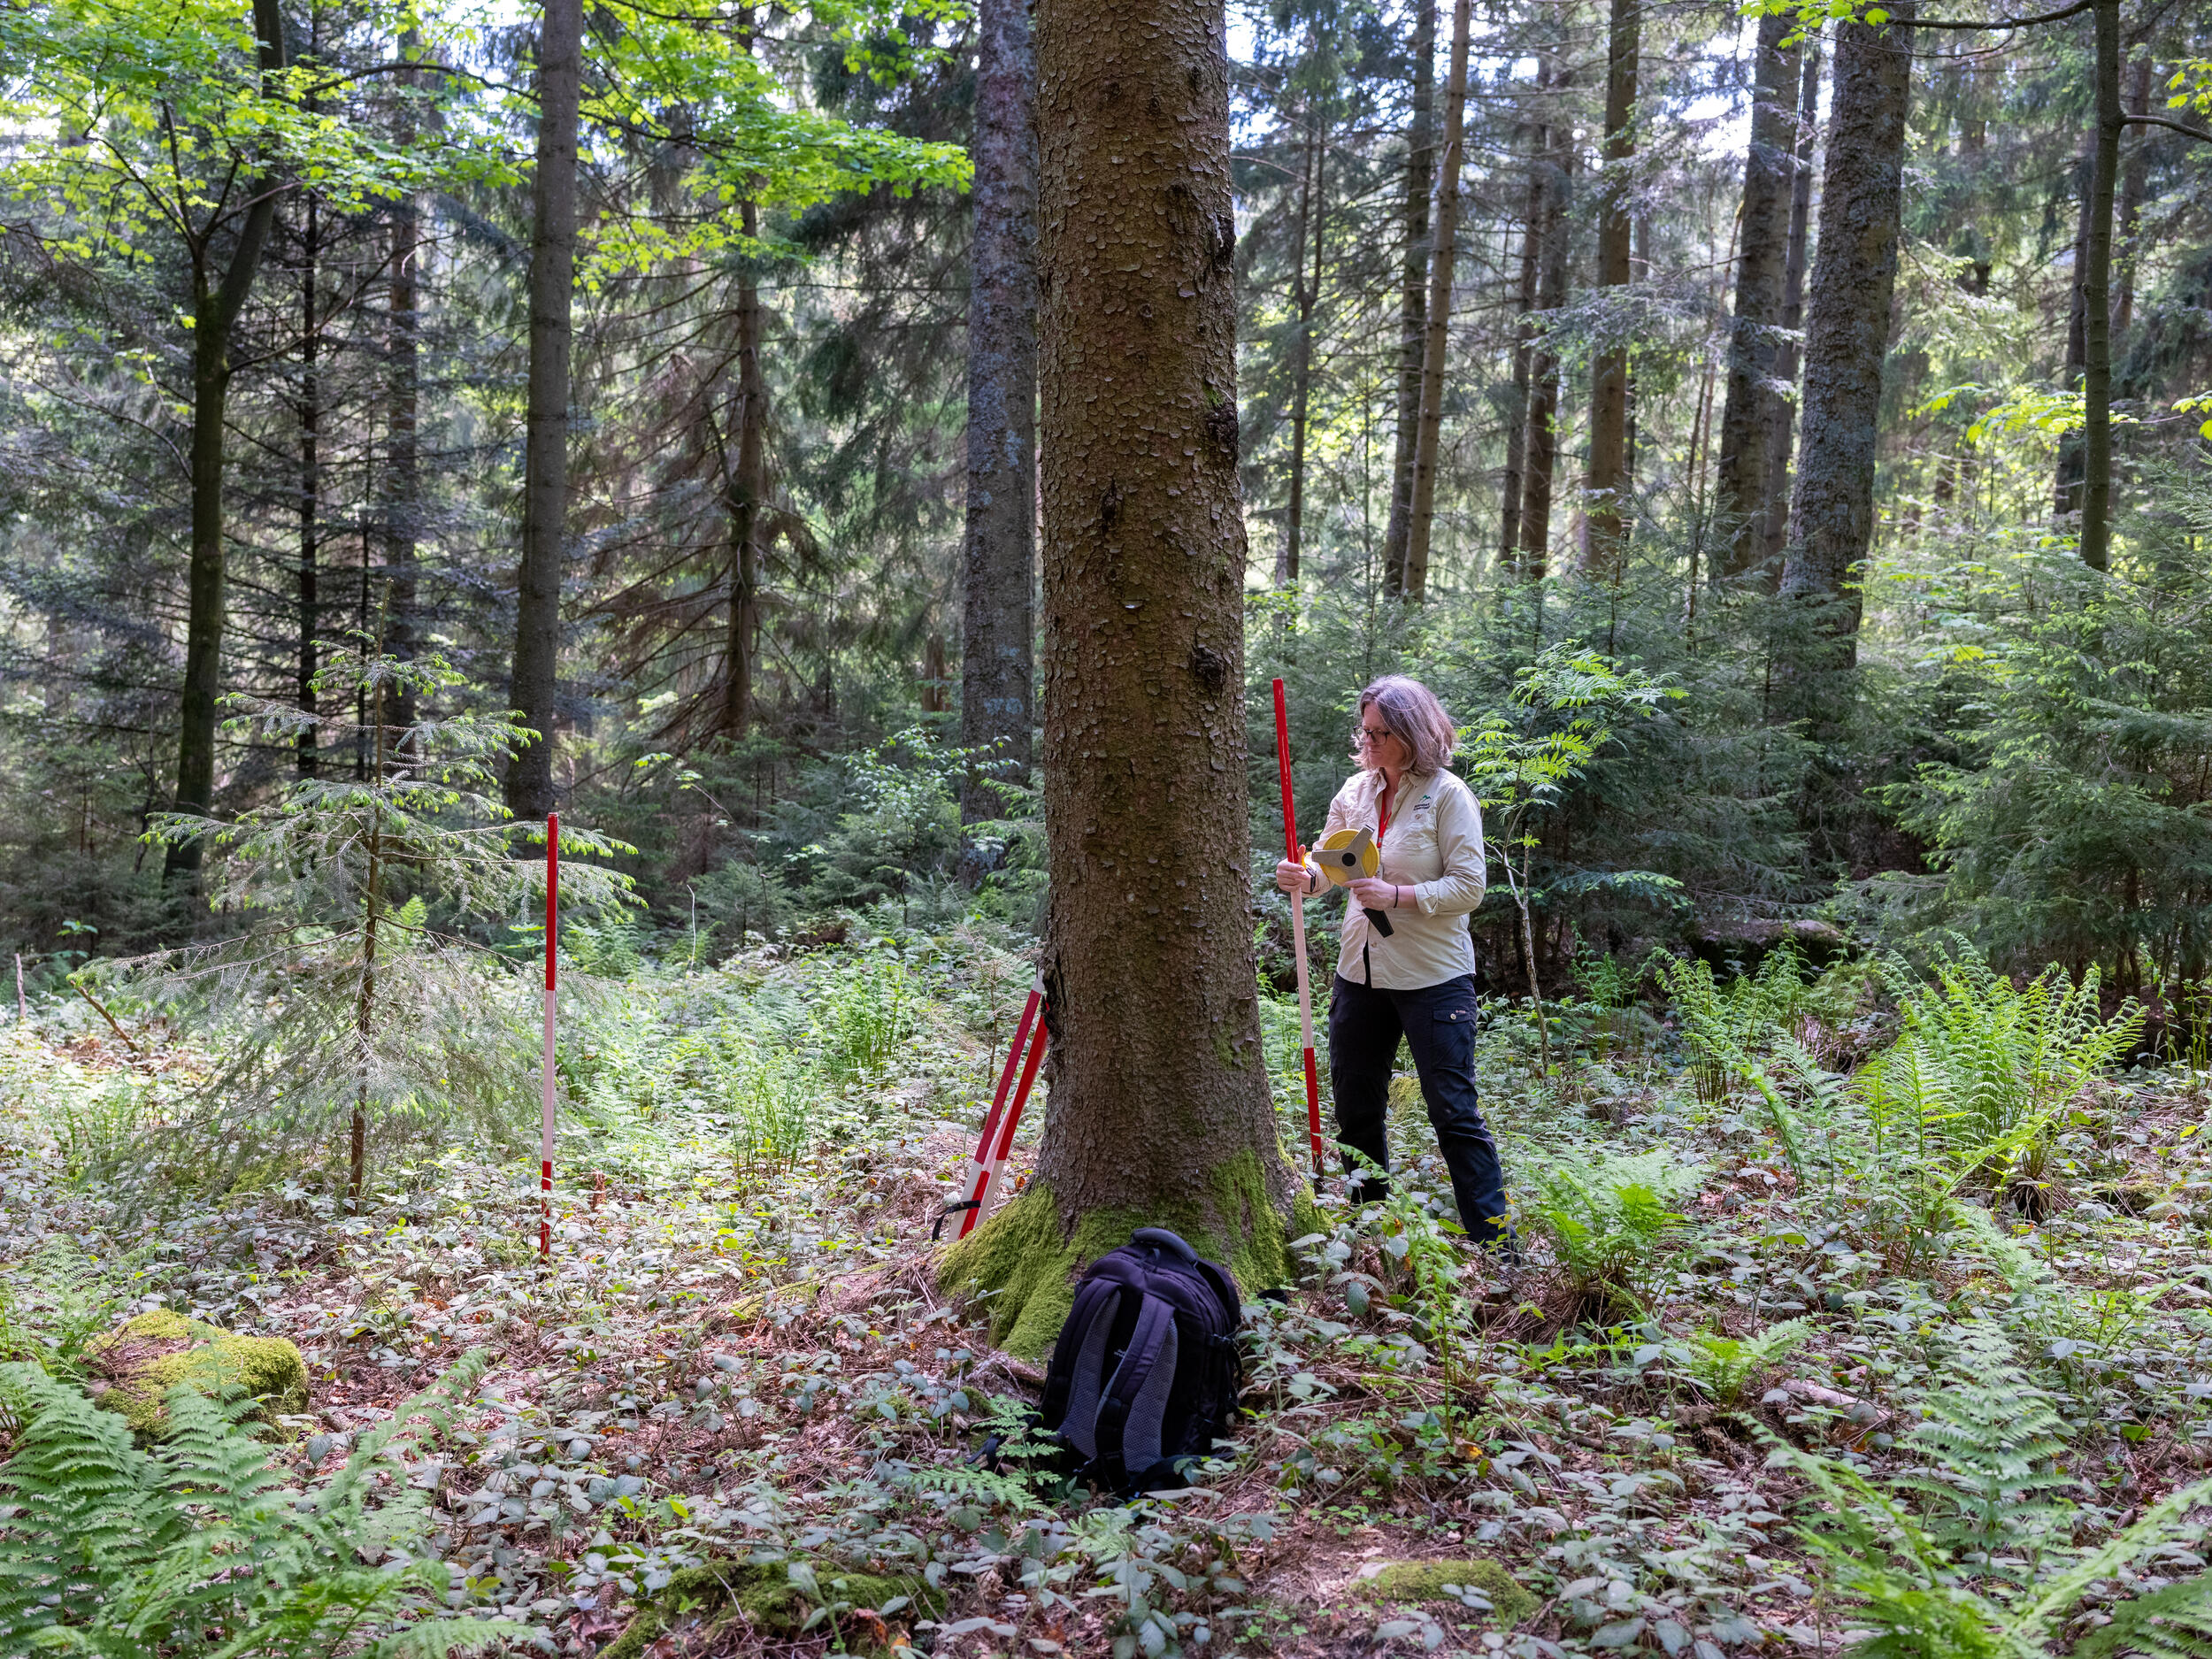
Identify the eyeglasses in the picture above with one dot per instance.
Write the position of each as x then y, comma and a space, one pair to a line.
1367, 736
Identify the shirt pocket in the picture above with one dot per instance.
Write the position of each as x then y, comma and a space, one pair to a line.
1414, 854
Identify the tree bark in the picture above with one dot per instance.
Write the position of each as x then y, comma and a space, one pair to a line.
1847, 333
1752, 406
545, 458
215, 309
1607, 482
745, 486
1544, 369
1413, 300
1539, 138
2067, 481
2096, 293
2134, 182
403, 522
1148, 963
1306, 297
1429, 428
311, 480
1774, 513
997, 667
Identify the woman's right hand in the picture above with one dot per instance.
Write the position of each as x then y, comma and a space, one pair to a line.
1292, 877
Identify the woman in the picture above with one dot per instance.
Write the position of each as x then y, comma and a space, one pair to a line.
1418, 980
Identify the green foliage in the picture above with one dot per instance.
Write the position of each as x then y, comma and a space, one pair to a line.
343, 995
1611, 1220
869, 1018
1723, 1366
1966, 1558
56, 1302
194, 1547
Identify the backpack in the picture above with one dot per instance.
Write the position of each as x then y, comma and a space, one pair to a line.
1145, 1373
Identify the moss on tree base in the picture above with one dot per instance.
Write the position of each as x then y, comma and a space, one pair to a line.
135, 1365
1021, 1262
715, 1591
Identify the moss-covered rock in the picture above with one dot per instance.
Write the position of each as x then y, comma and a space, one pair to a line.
715, 1592
1020, 1261
137, 1364
1414, 1581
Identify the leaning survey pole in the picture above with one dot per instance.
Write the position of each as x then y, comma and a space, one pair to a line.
1160, 1107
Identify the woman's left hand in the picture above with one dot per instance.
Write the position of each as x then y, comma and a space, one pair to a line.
1377, 895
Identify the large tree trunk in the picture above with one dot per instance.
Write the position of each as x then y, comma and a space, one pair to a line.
1544, 369
1538, 139
545, 455
1306, 296
2096, 293
1413, 298
215, 309
745, 486
1752, 406
997, 670
1847, 333
1607, 483
1160, 1102
1429, 427
1774, 510
311, 479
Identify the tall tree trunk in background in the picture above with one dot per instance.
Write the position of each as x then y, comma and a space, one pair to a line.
1306, 296
1429, 427
1413, 298
1607, 483
2096, 291
2134, 180
998, 610
1774, 510
310, 478
545, 455
216, 304
1154, 1017
1847, 333
1539, 138
402, 469
2066, 485
745, 487
1752, 407
1542, 446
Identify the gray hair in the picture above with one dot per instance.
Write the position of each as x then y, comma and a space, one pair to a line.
1414, 717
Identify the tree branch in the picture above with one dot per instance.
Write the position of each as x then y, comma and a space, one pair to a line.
2197, 132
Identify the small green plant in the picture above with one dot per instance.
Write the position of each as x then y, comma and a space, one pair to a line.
1722, 1367
869, 1018
56, 1300
775, 1100
193, 1546
1609, 1221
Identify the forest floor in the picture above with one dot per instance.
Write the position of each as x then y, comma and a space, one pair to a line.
739, 1351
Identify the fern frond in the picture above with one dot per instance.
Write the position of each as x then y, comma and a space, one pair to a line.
2162, 1523
2172, 1623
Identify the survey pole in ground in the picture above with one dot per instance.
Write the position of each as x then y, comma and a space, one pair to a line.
545, 1139
988, 1142
1296, 854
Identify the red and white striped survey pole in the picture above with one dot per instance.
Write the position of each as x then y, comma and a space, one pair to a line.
992, 1145
1295, 853
545, 1141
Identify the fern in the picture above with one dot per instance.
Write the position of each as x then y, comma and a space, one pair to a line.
1723, 1366
1931, 1587
1609, 1219
194, 1545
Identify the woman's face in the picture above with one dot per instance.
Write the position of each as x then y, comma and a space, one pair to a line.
1378, 745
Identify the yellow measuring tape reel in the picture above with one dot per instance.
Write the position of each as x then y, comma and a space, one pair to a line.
1347, 856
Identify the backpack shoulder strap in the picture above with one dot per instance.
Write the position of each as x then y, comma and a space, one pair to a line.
1093, 1296
1135, 1402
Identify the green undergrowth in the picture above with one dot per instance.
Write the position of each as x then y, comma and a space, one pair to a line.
1020, 1265
157, 1351
785, 1600
1441, 1581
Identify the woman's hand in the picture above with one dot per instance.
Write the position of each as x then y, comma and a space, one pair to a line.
1377, 895
1292, 878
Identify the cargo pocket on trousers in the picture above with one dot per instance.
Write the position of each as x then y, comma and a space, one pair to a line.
1454, 1035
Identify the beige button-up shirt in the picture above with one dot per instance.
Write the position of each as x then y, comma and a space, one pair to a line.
1434, 847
